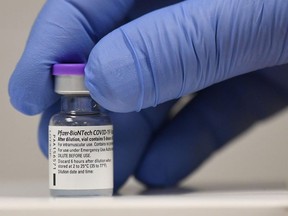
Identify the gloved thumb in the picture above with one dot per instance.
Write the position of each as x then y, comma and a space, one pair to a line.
184, 48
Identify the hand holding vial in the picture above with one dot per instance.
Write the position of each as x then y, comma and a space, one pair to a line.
137, 67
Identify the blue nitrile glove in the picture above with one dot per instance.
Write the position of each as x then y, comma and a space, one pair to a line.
157, 58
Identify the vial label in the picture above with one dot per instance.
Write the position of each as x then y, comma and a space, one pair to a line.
81, 157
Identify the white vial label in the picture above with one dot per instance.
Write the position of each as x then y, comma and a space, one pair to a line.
81, 157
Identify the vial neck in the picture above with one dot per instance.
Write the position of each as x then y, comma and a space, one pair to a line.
79, 104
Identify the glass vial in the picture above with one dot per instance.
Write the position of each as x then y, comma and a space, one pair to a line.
80, 139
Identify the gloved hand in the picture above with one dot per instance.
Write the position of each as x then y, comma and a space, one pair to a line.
153, 60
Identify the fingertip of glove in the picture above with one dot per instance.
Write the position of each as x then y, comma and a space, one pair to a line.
108, 102
17, 96
21, 101
155, 171
152, 176
111, 75
23, 105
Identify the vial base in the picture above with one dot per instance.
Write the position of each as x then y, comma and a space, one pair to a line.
79, 193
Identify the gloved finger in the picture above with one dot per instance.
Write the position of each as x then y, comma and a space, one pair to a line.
184, 48
132, 133
65, 31
214, 117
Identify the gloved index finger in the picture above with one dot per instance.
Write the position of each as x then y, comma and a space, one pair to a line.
184, 48
65, 31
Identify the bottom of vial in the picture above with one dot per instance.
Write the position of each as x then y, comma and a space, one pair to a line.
79, 193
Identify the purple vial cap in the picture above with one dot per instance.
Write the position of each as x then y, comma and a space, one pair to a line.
68, 69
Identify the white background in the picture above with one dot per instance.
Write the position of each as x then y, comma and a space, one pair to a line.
259, 157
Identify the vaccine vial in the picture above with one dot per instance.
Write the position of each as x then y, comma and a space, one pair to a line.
80, 139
